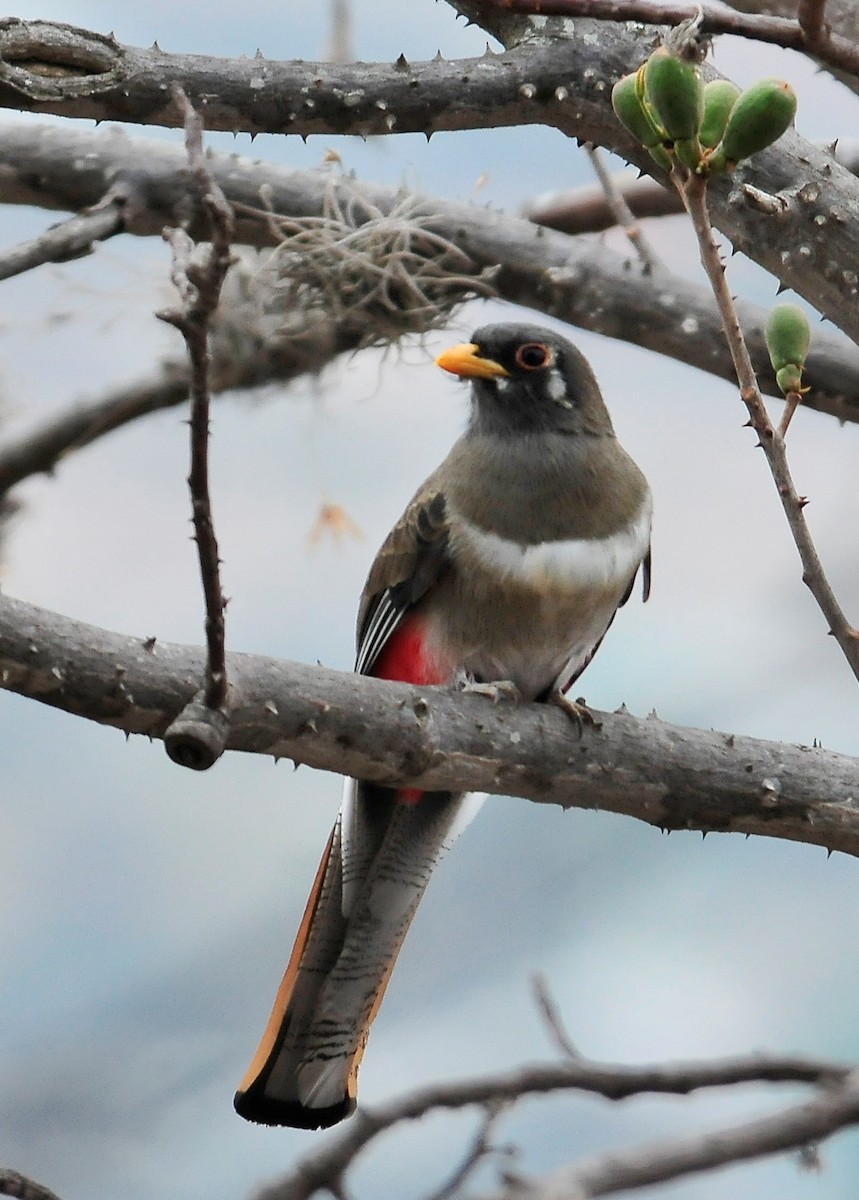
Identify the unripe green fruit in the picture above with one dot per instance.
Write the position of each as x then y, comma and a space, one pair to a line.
720, 95
759, 117
633, 114
673, 88
787, 336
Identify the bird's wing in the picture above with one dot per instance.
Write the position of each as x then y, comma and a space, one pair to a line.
412, 558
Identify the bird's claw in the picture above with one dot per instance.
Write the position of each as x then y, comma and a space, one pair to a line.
498, 690
577, 711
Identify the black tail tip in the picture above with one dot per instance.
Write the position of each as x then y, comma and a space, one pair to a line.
262, 1109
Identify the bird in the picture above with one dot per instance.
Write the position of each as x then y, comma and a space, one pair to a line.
503, 574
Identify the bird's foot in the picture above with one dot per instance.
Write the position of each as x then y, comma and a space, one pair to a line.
498, 690
577, 711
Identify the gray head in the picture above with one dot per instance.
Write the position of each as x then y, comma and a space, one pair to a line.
526, 379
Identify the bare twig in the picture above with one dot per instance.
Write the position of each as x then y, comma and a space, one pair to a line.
693, 190
621, 211
241, 358
480, 1149
792, 402
41, 447
586, 209
836, 52
70, 239
315, 1171
199, 280
552, 1017
794, 1128
809, 13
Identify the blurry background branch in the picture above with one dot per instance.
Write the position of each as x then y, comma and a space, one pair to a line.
836, 1106
585, 209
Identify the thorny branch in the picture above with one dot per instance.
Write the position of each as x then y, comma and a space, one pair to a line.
557, 81
199, 279
579, 281
437, 739
808, 34
693, 190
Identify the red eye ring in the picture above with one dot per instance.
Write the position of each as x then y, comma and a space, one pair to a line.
533, 356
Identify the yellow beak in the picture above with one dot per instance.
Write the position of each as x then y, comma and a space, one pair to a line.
465, 360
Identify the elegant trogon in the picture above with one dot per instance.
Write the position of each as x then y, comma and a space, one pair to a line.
508, 565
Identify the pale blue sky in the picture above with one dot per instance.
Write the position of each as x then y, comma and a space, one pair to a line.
146, 913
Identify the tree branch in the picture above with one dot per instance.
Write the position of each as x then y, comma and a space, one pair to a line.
586, 210
622, 215
317, 1170
560, 81
197, 737
71, 239
794, 1128
438, 739
809, 14
240, 360
806, 35
14, 1184
842, 17
693, 190
583, 283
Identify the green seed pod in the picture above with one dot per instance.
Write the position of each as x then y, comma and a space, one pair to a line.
720, 95
631, 112
787, 336
626, 100
673, 88
789, 379
759, 117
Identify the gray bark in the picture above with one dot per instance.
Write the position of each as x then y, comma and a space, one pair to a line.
579, 281
560, 81
437, 738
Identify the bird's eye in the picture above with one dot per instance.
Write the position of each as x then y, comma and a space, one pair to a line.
533, 356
